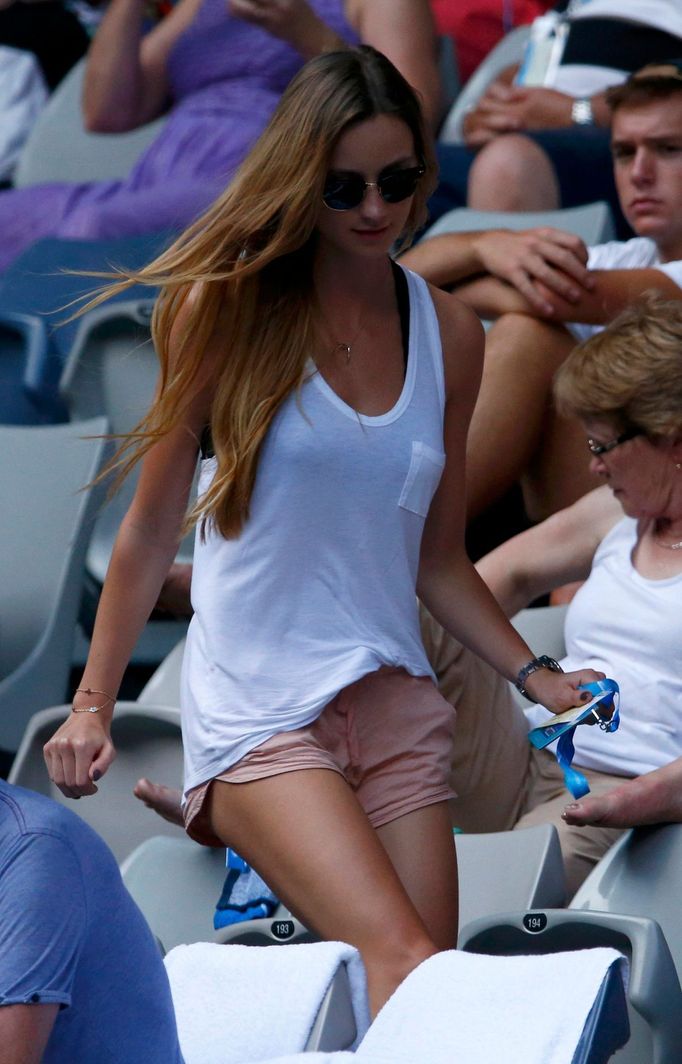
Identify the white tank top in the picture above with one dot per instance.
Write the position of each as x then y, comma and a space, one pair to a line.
319, 588
630, 628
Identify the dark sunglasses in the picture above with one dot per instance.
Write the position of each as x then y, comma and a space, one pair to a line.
343, 191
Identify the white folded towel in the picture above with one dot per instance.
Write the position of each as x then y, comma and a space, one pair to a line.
476, 1009
241, 1004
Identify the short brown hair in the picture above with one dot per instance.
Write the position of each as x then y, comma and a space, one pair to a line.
655, 81
630, 372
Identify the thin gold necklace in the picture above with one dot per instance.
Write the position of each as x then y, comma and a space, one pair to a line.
345, 347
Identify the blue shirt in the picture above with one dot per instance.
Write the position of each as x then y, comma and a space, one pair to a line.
71, 934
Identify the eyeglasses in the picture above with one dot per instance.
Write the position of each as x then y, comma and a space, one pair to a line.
343, 191
604, 448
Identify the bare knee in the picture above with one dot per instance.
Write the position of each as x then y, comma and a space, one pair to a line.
512, 173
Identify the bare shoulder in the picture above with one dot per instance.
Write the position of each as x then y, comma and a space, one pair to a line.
463, 340
587, 520
183, 332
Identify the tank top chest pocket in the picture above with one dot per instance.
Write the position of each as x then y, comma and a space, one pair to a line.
426, 467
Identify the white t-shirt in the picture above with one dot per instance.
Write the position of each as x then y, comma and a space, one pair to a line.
578, 79
629, 627
640, 253
319, 587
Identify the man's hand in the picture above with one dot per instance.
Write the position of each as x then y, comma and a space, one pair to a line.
293, 21
533, 259
513, 109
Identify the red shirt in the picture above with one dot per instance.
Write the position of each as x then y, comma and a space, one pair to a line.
477, 25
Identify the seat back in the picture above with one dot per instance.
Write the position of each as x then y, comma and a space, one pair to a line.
640, 876
47, 523
112, 368
177, 884
506, 52
592, 222
653, 991
148, 742
542, 627
499, 866
60, 149
163, 687
568, 1009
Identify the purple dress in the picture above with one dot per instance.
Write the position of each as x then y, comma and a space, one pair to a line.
226, 78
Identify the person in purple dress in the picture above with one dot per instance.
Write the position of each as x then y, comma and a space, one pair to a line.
219, 68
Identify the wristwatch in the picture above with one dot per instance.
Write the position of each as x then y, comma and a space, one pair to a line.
581, 112
543, 662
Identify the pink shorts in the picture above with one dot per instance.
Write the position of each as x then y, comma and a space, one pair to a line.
389, 734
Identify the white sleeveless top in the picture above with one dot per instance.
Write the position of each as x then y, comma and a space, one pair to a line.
630, 628
319, 588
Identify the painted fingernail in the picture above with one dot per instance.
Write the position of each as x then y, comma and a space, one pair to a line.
585, 696
96, 775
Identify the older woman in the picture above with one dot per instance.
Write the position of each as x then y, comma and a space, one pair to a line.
625, 541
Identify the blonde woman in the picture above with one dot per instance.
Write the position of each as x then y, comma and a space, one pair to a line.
333, 421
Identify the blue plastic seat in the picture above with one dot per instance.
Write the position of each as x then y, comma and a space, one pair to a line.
35, 338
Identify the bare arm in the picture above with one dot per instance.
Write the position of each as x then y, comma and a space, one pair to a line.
24, 1032
404, 31
528, 261
508, 108
612, 291
293, 21
448, 584
555, 552
126, 83
147, 542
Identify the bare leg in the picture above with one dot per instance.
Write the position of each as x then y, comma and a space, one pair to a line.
512, 173
651, 799
163, 800
307, 836
422, 851
521, 357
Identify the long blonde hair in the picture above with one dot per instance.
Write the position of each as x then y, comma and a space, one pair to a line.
248, 263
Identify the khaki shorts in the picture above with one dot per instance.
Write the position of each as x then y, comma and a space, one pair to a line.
389, 734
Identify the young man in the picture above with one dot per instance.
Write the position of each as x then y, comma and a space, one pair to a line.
540, 282
81, 977
543, 146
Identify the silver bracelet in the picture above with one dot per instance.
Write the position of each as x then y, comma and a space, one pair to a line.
543, 662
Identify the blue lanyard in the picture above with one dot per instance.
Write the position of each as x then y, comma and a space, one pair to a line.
608, 694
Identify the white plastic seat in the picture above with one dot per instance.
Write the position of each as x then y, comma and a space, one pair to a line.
569, 1009
148, 742
640, 876
163, 686
46, 526
542, 627
112, 369
506, 53
653, 991
177, 883
60, 149
592, 222
502, 869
